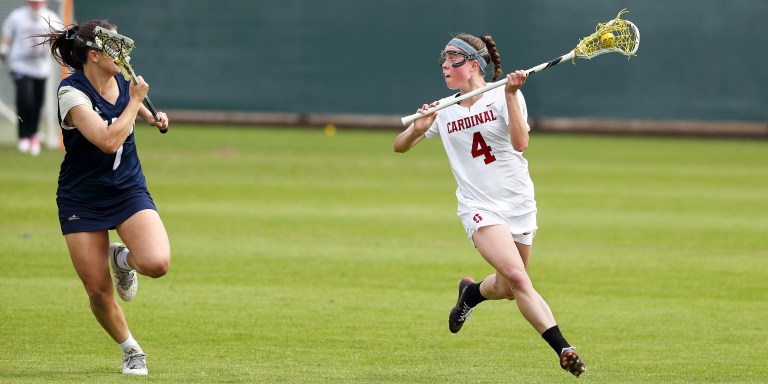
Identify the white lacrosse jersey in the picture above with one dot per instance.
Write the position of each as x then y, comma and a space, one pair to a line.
25, 57
491, 175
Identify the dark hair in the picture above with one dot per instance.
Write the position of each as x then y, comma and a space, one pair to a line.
67, 44
487, 42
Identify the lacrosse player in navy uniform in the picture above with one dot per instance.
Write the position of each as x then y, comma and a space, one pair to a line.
484, 138
101, 183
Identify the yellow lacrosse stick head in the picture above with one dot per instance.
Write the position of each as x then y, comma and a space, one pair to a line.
117, 47
617, 35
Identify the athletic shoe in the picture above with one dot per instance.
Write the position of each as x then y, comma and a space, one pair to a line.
571, 361
34, 147
126, 283
461, 312
24, 145
135, 364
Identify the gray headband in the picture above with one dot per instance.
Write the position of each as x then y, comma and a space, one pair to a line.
472, 53
91, 44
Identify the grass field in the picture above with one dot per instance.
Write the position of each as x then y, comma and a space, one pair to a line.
303, 258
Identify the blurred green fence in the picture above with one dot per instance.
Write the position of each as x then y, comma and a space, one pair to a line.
698, 59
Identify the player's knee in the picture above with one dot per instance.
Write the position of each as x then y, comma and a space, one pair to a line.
158, 268
155, 266
518, 280
100, 297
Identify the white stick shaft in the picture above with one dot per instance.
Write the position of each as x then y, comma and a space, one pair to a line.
407, 120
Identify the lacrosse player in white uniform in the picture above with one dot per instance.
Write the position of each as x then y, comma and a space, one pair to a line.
484, 138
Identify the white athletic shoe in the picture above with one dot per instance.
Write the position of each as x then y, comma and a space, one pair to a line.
34, 147
135, 364
126, 283
24, 145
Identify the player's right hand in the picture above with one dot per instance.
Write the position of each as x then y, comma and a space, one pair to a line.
139, 91
422, 124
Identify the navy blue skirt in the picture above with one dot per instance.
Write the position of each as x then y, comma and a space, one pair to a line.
77, 217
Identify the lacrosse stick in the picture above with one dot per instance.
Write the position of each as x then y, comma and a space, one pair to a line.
117, 47
620, 36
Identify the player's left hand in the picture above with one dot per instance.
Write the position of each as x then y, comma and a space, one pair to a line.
161, 122
515, 80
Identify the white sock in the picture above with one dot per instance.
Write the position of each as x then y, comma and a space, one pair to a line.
130, 345
122, 260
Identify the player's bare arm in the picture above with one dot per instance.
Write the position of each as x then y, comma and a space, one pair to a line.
518, 131
415, 132
108, 138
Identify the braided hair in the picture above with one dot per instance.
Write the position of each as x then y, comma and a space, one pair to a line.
485, 42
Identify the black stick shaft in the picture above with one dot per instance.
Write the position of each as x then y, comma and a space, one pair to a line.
147, 103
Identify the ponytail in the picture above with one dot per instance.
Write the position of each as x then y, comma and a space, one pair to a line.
67, 44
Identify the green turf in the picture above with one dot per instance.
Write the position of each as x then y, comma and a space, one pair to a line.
302, 258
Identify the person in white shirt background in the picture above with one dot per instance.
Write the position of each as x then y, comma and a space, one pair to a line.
29, 64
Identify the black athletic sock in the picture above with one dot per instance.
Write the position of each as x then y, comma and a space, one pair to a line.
555, 339
472, 295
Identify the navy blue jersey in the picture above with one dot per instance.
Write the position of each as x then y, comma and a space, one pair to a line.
88, 175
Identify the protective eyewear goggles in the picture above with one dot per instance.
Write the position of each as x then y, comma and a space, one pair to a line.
456, 58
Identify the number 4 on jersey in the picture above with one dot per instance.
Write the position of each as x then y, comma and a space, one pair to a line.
479, 147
